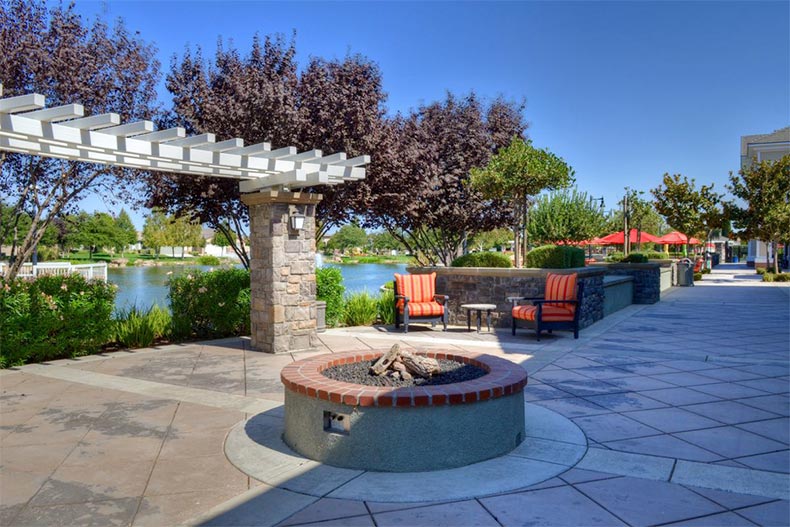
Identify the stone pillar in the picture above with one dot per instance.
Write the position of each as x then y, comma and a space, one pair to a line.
282, 271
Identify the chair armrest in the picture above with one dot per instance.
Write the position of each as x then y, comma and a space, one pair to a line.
441, 298
517, 299
402, 297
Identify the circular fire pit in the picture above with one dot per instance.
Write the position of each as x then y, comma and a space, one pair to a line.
403, 429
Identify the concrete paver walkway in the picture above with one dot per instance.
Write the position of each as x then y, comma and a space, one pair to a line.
678, 401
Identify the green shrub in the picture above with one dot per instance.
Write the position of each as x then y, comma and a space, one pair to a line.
138, 328
53, 317
47, 253
615, 256
656, 255
482, 259
635, 258
330, 289
697, 277
760, 271
207, 259
555, 257
361, 309
210, 304
773, 277
386, 307
390, 286
705, 270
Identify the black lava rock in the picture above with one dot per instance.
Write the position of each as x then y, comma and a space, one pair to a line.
358, 373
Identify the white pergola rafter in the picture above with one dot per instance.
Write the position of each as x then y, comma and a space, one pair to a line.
28, 127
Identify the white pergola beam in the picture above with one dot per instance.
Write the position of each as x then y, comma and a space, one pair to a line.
222, 146
22, 103
94, 122
62, 132
129, 129
194, 140
163, 135
57, 113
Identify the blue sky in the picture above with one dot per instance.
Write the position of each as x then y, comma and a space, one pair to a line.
624, 91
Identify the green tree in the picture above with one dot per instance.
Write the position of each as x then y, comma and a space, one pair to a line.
483, 241
384, 241
687, 210
348, 237
764, 188
225, 237
127, 234
565, 216
95, 231
516, 174
155, 234
183, 231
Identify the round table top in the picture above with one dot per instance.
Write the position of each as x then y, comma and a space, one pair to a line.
487, 307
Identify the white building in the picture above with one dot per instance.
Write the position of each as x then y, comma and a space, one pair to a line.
763, 147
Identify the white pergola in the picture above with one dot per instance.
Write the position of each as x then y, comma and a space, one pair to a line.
27, 126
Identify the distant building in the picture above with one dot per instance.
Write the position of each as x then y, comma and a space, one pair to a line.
763, 147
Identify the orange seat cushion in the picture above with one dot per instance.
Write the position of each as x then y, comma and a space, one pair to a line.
561, 287
549, 313
417, 287
423, 309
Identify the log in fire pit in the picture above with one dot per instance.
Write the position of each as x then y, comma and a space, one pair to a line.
450, 409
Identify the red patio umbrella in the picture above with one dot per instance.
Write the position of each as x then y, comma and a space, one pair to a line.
676, 238
618, 238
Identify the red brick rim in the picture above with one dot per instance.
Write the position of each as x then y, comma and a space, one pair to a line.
503, 378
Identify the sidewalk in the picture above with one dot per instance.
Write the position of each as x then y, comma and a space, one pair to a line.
677, 400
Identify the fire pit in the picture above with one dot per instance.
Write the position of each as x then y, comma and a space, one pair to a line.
404, 428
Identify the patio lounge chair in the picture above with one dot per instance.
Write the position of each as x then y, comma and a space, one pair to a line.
416, 300
558, 309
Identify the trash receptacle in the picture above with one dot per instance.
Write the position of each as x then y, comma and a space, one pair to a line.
734, 259
685, 272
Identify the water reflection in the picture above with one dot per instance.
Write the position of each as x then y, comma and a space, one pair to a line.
145, 286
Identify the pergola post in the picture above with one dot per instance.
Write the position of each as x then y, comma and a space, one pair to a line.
282, 271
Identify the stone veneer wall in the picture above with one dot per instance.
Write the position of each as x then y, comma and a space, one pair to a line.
282, 272
647, 279
474, 285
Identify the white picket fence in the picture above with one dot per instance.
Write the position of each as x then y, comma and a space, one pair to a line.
90, 271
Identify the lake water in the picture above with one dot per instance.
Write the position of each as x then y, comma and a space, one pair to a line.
144, 286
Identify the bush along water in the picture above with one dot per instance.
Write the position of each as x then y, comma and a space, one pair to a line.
53, 317
210, 304
482, 259
330, 289
555, 257
136, 327
361, 309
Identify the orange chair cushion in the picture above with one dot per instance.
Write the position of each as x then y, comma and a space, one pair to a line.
423, 309
561, 287
549, 313
418, 287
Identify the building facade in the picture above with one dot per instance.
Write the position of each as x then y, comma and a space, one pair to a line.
757, 148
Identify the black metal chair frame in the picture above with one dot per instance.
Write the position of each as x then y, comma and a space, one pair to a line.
405, 319
541, 325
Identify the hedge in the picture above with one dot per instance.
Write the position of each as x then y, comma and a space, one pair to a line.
330, 289
482, 259
555, 257
210, 304
54, 317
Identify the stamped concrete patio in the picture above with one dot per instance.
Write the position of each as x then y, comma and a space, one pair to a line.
685, 405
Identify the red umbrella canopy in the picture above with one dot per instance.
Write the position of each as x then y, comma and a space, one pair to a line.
676, 238
618, 238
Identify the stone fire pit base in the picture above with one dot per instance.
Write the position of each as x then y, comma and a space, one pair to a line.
553, 444
404, 429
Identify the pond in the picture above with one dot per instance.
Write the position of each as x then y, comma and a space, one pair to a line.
145, 286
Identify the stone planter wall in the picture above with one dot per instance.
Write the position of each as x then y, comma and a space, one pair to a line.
469, 285
647, 278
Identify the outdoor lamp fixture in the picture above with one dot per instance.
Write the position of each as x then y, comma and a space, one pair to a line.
297, 222
592, 199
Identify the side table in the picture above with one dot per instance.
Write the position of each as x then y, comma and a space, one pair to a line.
479, 308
